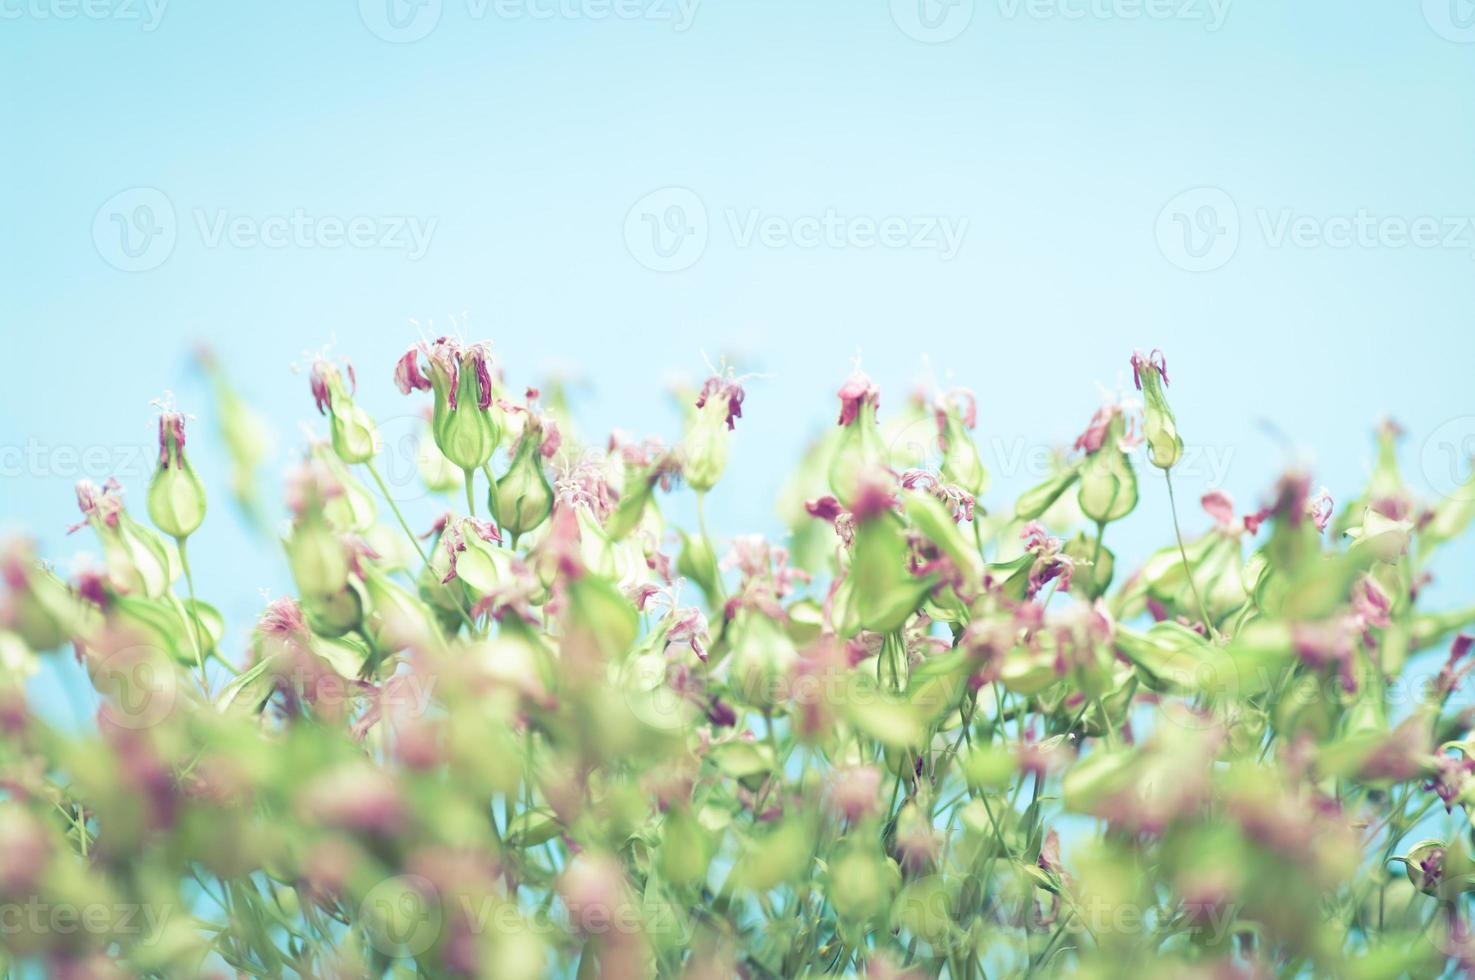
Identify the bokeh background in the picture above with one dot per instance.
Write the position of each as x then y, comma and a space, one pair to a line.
1008, 195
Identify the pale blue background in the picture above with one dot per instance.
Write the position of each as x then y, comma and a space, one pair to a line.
1060, 139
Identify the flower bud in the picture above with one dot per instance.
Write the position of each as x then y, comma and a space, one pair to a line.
956, 413
1160, 428
355, 439
436, 472
763, 658
37, 605
176, 495
398, 619
522, 499
462, 421
347, 504
139, 561
860, 453
248, 439
704, 450
698, 562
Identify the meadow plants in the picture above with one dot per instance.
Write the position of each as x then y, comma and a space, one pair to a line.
930, 733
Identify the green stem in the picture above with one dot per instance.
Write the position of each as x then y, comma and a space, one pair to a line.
470, 492
194, 615
1203, 610
415, 541
384, 490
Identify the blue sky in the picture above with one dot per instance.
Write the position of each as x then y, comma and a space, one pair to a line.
1277, 195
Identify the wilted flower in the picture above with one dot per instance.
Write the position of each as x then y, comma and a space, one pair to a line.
704, 450
463, 421
1160, 429
176, 495
355, 439
139, 561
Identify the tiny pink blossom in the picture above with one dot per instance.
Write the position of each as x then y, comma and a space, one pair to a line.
726, 389
1220, 506
855, 392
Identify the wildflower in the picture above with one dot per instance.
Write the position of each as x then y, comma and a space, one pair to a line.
522, 499
36, 604
704, 450
860, 453
854, 792
1050, 561
462, 421
355, 439
176, 496
139, 562
1160, 429
956, 413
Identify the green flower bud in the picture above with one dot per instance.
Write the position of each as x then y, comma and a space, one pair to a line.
860, 453
248, 439
763, 658
436, 472
463, 422
704, 450
1160, 428
397, 618
956, 413
37, 605
355, 439
176, 496
346, 503
522, 499
332, 614
139, 561
698, 562
316, 556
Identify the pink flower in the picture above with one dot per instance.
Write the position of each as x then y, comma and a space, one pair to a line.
855, 392
1220, 506
1156, 361
726, 389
